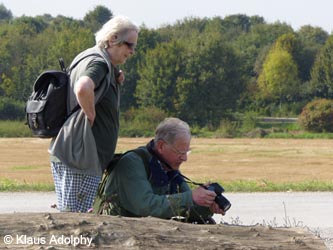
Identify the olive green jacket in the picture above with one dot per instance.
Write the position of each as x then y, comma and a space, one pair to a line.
130, 192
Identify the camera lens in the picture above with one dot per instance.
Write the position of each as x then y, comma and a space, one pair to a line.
219, 199
223, 202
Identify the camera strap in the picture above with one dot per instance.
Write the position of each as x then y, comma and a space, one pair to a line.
188, 180
150, 147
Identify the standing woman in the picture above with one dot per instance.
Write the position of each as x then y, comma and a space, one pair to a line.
86, 143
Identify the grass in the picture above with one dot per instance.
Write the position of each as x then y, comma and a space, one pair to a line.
239, 165
7, 185
268, 186
24, 168
14, 129
301, 135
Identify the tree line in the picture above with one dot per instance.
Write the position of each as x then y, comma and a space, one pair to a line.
203, 70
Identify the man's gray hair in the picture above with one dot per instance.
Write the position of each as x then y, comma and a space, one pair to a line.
171, 129
118, 26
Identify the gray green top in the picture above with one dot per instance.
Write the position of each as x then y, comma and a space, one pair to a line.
88, 150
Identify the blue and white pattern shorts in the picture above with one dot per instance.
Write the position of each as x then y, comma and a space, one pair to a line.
75, 191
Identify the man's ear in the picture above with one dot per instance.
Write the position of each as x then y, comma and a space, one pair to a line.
159, 146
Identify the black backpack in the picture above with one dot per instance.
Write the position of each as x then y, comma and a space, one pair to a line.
46, 108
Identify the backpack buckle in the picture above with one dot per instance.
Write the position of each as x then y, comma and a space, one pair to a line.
34, 120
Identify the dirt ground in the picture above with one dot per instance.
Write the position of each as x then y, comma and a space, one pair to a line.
86, 231
220, 159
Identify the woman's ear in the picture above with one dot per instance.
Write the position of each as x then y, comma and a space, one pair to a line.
110, 43
112, 40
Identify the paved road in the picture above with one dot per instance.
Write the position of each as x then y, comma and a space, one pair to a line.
313, 210
309, 209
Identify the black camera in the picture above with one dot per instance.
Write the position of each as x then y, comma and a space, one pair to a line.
219, 199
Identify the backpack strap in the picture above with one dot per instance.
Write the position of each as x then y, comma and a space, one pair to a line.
62, 64
100, 200
75, 63
69, 70
139, 151
144, 156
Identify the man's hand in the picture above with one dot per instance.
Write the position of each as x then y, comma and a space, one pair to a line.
214, 208
203, 197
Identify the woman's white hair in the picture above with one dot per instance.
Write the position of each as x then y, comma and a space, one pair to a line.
117, 26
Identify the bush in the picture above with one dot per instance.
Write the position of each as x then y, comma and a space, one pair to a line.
141, 122
14, 129
227, 129
317, 116
249, 121
11, 109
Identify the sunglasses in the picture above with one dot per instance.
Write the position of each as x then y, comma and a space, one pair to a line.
131, 46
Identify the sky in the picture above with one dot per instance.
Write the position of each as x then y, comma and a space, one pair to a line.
156, 13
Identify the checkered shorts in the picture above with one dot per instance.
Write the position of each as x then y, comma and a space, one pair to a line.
75, 192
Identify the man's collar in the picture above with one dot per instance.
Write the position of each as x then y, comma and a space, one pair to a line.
152, 150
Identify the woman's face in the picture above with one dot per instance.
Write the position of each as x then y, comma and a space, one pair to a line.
120, 52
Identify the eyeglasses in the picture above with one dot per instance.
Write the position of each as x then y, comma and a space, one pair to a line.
178, 152
131, 46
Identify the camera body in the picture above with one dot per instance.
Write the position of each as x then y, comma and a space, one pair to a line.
223, 202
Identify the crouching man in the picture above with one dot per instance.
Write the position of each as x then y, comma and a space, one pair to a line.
147, 181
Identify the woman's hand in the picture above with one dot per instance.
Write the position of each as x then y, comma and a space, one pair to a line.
121, 77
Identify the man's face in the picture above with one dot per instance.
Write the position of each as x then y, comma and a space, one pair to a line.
175, 154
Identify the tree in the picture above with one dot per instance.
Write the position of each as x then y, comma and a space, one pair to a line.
279, 78
311, 39
158, 76
32, 25
16, 43
322, 71
237, 22
148, 40
183, 28
253, 46
199, 69
5, 14
312, 35
211, 84
195, 79
287, 42
30, 45
96, 18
